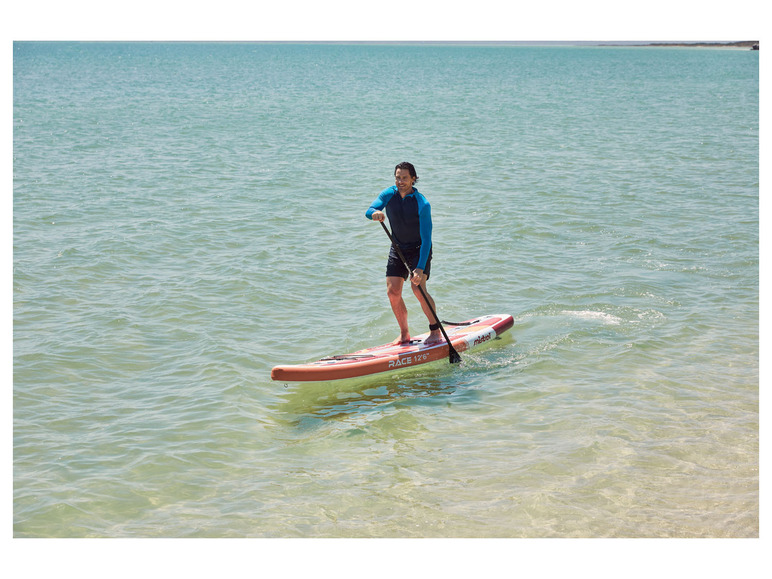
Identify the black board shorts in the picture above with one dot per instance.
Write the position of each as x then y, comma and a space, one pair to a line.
395, 267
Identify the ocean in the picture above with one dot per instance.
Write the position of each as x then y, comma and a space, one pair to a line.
188, 215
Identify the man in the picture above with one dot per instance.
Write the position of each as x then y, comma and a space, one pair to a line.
410, 218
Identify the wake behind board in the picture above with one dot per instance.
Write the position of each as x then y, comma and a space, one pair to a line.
463, 335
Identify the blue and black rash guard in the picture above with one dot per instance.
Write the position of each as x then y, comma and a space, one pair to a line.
410, 219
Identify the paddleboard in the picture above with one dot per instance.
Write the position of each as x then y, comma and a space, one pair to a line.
463, 335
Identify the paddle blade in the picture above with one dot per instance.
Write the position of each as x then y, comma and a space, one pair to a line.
454, 356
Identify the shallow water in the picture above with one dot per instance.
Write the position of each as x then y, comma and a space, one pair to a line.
187, 216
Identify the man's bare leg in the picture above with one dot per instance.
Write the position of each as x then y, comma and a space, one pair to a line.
394, 291
434, 335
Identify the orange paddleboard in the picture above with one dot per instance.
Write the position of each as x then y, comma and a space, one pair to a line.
463, 336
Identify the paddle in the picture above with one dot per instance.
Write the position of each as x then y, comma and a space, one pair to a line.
453, 356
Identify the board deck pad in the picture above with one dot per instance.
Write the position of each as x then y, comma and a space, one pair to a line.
463, 335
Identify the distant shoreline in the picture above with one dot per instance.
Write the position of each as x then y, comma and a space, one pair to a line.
743, 44
749, 44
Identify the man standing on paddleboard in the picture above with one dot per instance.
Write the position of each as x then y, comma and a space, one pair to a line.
410, 218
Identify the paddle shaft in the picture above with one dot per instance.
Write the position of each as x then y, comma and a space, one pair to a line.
453, 356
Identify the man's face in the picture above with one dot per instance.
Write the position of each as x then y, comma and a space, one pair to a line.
403, 180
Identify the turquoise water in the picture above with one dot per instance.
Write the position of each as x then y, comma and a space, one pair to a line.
187, 216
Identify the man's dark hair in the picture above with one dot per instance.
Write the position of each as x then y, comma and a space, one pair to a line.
407, 166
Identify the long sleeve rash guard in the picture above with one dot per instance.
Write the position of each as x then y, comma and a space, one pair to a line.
410, 219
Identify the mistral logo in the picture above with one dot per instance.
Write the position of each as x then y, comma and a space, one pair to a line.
481, 338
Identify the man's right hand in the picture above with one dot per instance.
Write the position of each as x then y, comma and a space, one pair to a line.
379, 216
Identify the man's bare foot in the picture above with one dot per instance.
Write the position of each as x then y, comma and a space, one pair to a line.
401, 341
434, 337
